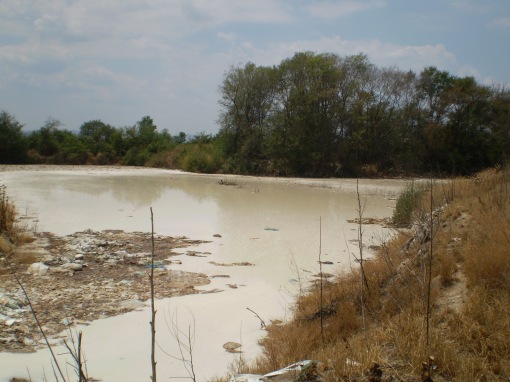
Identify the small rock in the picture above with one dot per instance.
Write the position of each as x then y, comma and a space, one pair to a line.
72, 267
232, 347
10, 303
38, 269
10, 322
29, 342
131, 304
79, 257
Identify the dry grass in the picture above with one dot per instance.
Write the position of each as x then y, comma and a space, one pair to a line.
12, 234
469, 337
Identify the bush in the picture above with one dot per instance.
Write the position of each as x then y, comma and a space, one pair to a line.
406, 204
202, 158
7, 212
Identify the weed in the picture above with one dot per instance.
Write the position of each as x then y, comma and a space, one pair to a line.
406, 204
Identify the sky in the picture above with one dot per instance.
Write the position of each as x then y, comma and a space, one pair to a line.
121, 60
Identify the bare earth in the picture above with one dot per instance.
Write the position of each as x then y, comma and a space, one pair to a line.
83, 277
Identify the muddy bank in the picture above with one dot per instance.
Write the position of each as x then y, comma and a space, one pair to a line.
83, 277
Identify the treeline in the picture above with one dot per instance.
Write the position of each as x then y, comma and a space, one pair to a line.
325, 115
312, 115
98, 143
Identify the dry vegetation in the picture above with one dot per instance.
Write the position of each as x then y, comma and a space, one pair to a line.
469, 324
12, 231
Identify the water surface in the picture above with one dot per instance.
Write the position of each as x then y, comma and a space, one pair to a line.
276, 224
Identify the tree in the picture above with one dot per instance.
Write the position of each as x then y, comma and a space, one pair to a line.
308, 115
12, 140
499, 125
44, 141
142, 140
247, 96
180, 138
102, 140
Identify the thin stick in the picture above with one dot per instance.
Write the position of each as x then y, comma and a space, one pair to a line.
321, 286
190, 344
153, 311
360, 244
262, 323
429, 286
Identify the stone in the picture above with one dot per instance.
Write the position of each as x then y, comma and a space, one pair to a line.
38, 269
131, 304
9, 302
72, 266
232, 347
29, 342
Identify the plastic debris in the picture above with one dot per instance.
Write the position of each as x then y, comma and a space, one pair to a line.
247, 378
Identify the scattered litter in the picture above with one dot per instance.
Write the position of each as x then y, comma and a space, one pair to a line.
155, 266
247, 378
350, 362
298, 366
215, 290
299, 371
241, 264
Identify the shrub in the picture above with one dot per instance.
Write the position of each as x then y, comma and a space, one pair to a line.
7, 212
202, 158
406, 204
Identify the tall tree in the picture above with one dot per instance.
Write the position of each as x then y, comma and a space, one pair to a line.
12, 141
247, 97
308, 118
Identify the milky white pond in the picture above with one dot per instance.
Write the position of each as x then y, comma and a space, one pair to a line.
275, 224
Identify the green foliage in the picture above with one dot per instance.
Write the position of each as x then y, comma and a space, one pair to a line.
12, 140
201, 157
49, 144
407, 203
142, 141
323, 115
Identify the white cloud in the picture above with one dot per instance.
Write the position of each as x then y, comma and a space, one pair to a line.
335, 9
122, 59
414, 57
227, 11
230, 37
500, 22
468, 71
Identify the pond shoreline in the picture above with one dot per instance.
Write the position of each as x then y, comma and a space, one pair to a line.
240, 221
84, 277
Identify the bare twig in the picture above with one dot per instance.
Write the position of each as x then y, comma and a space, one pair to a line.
321, 286
429, 286
153, 311
360, 244
262, 323
76, 354
185, 345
